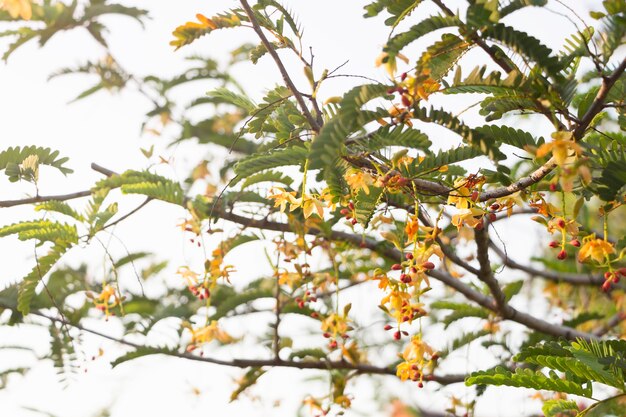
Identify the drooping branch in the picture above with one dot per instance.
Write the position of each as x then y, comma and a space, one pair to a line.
509, 313
361, 368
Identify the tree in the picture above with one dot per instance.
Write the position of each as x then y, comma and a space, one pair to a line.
346, 192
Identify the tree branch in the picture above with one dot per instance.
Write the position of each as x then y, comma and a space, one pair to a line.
573, 279
489, 303
361, 368
61, 197
597, 104
281, 67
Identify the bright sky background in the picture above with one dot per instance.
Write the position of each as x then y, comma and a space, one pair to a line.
106, 129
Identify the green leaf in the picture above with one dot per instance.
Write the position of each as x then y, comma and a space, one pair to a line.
59, 207
510, 136
470, 136
528, 379
142, 351
330, 142
459, 311
512, 289
511, 6
233, 98
527, 46
395, 136
426, 26
267, 176
554, 408
365, 204
294, 155
615, 406
442, 158
398, 9
245, 382
439, 58
190, 31
612, 181
16, 155
30, 281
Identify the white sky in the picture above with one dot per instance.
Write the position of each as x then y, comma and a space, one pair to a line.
106, 129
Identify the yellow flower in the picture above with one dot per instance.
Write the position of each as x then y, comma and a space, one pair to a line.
21, 8
460, 197
412, 228
597, 249
103, 300
190, 277
202, 335
562, 147
560, 224
312, 206
467, 217
359, 180
283, 197
391, 64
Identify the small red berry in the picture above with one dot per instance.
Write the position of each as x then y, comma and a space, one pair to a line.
408, 255
575, 242
403, 76
552, 187
326, 335
388, 327
474, 196
561, 223
562, 255
554, 244
396, 267
608, 275
354, 221
397, 335
492, 217
333, 344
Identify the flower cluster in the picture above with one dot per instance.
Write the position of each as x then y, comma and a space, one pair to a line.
107, 300
417, 356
